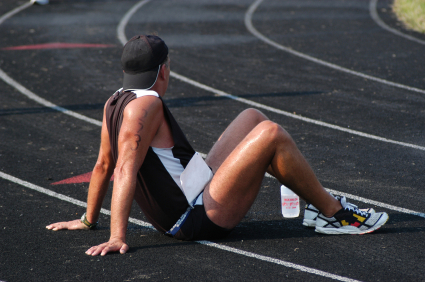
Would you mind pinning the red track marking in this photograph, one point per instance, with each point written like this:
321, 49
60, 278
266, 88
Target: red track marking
58, 45
77, 179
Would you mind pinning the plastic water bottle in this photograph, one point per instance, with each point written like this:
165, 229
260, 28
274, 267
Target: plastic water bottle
290, 202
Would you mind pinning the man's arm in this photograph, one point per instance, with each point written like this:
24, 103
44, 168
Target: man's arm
98, 187
141, 121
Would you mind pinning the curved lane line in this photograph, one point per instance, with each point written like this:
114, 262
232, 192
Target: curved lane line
15, 11
281, 112
44, 102
256, 33
121, 35
30, 94
374, 15
123, 22
123, 40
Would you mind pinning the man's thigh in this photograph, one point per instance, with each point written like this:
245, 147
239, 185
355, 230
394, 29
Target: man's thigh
238, 129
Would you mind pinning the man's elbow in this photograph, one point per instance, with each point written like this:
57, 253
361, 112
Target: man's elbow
104, 168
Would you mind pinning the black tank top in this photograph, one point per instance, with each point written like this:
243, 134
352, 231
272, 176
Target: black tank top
163, 202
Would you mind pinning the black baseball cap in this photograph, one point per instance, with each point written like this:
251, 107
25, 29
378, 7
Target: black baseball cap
141, 61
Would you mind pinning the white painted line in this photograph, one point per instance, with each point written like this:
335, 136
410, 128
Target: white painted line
374, 15
123, 22
277, 111
277, 261
44, 102
15, 11
211, 244
27, 92
369, 201
206, 243
376, 203
256, 33
63, 197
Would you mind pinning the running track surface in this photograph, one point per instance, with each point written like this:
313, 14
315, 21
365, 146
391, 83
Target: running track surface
348, 89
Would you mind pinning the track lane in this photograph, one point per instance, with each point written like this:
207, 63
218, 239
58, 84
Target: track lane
259, 246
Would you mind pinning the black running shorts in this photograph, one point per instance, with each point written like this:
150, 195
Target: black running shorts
199, 227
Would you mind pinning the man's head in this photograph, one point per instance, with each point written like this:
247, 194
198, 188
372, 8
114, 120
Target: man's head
141, 61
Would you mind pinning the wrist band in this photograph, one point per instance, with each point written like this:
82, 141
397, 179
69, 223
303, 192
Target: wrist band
87, 223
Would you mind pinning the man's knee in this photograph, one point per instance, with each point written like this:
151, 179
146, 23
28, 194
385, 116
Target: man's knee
273, 132
255, 115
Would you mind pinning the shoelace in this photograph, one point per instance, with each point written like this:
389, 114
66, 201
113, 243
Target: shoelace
352, 207
342, 198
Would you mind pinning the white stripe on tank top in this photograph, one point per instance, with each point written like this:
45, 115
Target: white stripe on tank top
171, 164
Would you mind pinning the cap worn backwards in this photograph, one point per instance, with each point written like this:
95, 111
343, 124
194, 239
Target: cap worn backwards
141, 59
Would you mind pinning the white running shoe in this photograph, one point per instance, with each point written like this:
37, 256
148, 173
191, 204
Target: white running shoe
311, 213
350, 220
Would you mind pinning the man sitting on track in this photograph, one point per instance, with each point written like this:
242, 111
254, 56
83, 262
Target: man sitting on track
145, 149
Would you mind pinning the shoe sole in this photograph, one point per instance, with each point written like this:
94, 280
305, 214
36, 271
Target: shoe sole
346, 230
309, 222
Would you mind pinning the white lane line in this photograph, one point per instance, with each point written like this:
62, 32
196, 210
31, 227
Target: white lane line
206, 243
211, 244
44, 102
27, 92
276, 261
376, 203
64, 197
369, 201
123, 40
374, 15
288, 114
122, 24
15, 11
256, 33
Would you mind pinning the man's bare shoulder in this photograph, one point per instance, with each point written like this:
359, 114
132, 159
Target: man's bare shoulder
143, 107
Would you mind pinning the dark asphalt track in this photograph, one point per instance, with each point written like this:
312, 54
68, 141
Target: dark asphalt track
209, 43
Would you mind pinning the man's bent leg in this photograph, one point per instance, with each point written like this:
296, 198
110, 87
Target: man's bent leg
238, 129
236, 183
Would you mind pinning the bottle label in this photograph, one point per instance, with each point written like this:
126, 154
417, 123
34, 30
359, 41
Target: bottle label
290, 203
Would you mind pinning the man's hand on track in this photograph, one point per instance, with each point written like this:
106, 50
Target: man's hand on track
114, 245
68, 225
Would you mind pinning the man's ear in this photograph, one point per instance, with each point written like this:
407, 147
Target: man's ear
162, 71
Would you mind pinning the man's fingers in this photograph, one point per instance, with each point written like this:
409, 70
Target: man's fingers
105, 248
93, 251
124, 249
70, 225
55, 226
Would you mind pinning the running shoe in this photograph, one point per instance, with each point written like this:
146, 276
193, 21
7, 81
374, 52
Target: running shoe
311, 213
350, 220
